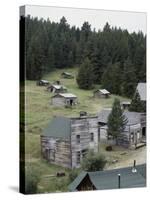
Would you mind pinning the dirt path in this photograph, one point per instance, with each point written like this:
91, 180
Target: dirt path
127, 160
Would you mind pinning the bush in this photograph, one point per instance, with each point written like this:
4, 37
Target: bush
73, 174
32, 177
108, 148
93, 162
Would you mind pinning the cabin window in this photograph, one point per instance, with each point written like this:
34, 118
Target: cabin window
78, 157
92, 137
78, 139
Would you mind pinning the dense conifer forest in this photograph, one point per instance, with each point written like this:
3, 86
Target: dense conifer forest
116, 58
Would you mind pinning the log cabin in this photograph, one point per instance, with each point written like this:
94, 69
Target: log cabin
134, 133
67, 75
66, 141
64, 99
56, 88
42, 83
101, 93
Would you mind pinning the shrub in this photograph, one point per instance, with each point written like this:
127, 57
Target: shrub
73, 174
32, 177
93, 162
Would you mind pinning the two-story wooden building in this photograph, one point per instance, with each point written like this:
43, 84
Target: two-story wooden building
134, 132
66, 141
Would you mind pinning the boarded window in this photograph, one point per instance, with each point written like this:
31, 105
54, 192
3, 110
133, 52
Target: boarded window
78, 155
78, 139
92, 137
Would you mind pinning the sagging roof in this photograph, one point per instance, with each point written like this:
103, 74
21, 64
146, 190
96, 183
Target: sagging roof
103, 91
108, 179
133, 117
66, 95
59, 127
141, 88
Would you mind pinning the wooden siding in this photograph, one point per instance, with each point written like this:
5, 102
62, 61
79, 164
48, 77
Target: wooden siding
61, 149
83, 127
58, 101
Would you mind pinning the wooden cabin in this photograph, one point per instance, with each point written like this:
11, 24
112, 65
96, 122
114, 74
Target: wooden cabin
56, 88
133, 134
42, 83
127, 177
125, 105
66, 141
64, 99
67, 75
101, 93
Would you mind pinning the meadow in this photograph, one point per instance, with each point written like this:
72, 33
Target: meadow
38, 113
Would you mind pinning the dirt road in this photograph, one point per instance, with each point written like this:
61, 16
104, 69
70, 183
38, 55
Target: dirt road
128, 158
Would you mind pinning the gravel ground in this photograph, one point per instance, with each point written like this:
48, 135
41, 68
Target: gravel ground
127, 160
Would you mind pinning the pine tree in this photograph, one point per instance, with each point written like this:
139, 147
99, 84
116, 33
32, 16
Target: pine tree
129, 80
85, 75
136, 104
116, 120
112, 78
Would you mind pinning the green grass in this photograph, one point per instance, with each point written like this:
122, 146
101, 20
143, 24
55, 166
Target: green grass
39, 112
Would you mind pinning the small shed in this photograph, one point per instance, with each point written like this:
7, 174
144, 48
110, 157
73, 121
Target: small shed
64, 99
125, 105
67, 75
128, 177
42, 83
56, 88
101, 93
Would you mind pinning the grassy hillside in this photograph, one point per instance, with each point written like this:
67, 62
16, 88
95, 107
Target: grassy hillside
39, 112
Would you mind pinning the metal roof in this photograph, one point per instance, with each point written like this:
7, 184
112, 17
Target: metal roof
59, 127
66, 95
44, 81
67, 73
59, 86
108, 179
141, 88
125, 103
104, 91
133, 117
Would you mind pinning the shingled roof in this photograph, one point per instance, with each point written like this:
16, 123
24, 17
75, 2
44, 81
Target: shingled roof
108, 179
59, 127
141, 88
133, 117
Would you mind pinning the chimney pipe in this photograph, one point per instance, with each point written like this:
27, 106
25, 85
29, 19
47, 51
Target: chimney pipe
118, 180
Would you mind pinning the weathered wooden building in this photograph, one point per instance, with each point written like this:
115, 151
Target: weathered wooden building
125, 105
66, 141
42, 83
128, 177
64, 99
67, 75
56, 88
134, 132
101, 93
